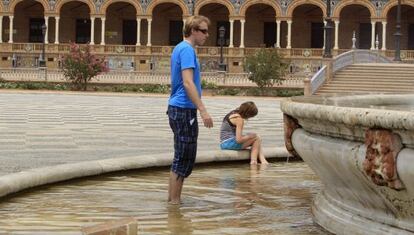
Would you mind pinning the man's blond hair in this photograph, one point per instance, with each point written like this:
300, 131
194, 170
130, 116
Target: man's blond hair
193, 22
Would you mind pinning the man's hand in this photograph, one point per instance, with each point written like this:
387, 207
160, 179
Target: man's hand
207, 120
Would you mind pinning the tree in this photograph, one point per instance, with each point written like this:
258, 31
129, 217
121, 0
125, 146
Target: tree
266, 68
80, 66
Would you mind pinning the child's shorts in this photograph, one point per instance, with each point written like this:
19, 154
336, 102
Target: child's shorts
231, 144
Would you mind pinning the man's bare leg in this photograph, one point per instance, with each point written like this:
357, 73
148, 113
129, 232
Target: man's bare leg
174, 188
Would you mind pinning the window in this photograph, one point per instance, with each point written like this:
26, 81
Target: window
226, 25
83, 30
317, 35
176, 32
129, 32
35, 30
269, 37
411, 37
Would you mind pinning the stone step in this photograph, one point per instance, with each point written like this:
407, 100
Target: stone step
372, 79
377, 71
350, 88
382, 65
373, 83
371, 89
373, 76
324, 92
368, 86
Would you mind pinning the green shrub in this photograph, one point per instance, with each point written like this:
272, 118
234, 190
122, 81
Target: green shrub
80, 66
208, 85
266, 68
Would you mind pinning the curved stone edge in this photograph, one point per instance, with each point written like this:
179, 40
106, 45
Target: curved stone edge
335, 219
16, 182
368, 207
389, 119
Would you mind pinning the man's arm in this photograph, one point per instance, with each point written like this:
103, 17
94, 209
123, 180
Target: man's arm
192, 93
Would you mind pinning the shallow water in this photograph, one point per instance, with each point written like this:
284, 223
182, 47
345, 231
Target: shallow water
217, 199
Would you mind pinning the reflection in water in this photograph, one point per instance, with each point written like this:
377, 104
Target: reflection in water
218, 199
177, 222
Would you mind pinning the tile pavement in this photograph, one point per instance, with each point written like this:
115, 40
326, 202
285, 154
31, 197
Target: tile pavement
47, 128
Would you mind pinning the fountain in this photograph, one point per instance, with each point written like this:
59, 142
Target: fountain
361, 147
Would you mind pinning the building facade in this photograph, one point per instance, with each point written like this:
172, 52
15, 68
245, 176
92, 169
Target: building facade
140, 34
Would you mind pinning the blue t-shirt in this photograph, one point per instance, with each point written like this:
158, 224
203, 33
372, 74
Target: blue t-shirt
183, 57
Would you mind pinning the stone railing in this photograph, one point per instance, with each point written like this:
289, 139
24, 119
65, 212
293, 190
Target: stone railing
134, 77
317, 80
339, 62
358, 56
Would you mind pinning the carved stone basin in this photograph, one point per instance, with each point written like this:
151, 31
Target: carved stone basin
362, 148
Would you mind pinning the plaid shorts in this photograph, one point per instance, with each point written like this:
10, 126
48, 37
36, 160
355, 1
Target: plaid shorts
183, 123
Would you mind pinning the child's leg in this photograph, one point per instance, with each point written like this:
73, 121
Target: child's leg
254, 153
262, 157
260, 151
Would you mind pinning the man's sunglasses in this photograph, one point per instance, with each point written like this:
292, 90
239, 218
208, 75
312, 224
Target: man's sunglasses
204, 31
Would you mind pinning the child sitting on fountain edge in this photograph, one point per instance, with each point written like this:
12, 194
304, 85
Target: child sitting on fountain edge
231, 133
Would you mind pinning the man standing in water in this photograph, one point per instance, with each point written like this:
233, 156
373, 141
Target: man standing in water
184, 102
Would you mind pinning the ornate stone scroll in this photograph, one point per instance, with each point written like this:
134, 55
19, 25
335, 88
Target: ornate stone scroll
290, 125
380, 161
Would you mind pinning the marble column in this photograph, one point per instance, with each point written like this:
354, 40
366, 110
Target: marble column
336, 47
324, 34
1, 29
231, 33
57, 29
289, 36
11, 29
103, 31
47, 30
242, 33
149, 33
278, 33
373, 35
92, 31
138, 32
384, 35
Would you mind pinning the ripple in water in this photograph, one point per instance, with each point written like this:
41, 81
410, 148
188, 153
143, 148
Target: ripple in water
217, 199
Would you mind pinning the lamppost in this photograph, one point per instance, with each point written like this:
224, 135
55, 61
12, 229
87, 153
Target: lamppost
397, 34
328, 31
42, 61
222, 32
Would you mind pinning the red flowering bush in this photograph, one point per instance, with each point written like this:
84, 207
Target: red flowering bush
80, 66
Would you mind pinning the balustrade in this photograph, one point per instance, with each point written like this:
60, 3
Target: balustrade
134, 77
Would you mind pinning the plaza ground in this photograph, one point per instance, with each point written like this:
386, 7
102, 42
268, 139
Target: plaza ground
40, 129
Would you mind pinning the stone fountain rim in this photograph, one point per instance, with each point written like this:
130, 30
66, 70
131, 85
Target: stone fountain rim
16, 182
354, 116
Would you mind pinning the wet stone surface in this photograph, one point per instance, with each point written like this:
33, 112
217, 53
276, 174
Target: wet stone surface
217, 199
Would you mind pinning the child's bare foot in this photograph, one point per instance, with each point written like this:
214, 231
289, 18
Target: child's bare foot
253, 162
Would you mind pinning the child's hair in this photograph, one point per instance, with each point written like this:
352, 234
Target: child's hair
247, 110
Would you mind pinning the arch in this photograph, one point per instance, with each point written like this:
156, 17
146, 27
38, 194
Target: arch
153, 4
226, 3
292, 7
91, 6
365, 3
387, 7
44, 3
248, 4
106, 4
